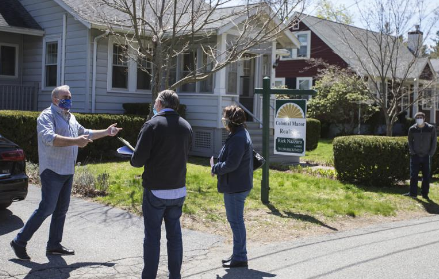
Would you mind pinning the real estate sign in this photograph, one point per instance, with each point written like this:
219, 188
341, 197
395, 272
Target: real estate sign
290, 127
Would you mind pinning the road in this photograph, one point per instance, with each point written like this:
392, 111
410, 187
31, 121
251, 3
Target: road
108, 244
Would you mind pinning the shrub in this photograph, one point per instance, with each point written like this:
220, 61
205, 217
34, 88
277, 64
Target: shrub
142, 109
371, 160
20, 127
312, 133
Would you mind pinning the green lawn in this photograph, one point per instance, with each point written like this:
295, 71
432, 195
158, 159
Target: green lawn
292, 195
323, 154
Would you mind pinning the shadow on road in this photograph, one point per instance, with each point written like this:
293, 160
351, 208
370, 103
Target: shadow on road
430, 206
56, 265
298, 216
9, 222
238, 273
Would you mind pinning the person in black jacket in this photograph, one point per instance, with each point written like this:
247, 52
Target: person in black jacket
162, 149
422, 140
234, 170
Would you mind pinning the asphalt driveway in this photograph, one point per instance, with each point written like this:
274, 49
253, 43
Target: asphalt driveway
108, 244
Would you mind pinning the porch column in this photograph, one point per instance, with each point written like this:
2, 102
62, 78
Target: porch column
415, 96
433, 106
273, 60
220, 76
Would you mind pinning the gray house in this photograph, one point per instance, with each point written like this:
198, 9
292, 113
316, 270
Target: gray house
46, 43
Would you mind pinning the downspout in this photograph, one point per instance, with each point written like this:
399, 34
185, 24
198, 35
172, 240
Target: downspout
63, 55
95, 55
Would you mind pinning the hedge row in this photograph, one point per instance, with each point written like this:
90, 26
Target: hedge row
374, 160
313, 128
20, 127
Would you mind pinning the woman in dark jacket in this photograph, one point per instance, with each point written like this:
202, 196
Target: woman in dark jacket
234, 170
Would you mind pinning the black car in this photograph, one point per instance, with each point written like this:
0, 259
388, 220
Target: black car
13, 178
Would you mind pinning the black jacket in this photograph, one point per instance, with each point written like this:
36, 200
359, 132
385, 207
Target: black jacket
422, 141
235, 163
162, 148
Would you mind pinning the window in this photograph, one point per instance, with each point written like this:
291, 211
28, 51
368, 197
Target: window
304, 83
427, 98
207, 84
304, 51
232, 72
279, 83
8, 60
51, 64
120, 67
295, 24
188, 66
144, 70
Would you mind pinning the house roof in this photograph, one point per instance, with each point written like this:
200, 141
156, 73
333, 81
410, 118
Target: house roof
367, 48
94, 15
15, 19
435, 64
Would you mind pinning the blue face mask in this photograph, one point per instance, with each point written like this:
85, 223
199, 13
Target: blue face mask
65, 103
154, 111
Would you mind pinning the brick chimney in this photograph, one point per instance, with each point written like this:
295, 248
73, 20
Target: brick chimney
415, 39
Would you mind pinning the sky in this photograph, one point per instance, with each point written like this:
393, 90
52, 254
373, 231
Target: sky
352, 7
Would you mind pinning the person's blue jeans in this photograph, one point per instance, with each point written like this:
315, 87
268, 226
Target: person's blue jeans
419, 164
234, 203
55, 201
154, 211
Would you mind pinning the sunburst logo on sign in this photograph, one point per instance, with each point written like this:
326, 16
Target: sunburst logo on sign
290, 110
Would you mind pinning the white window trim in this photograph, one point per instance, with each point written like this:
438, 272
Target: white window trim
132, 72
408, 102
15, 76
58, 62
295, 25
294, 51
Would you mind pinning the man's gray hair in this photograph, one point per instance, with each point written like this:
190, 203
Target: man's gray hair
62, 88
169, 99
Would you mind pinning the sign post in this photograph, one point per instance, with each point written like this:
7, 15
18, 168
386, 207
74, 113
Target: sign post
266, 91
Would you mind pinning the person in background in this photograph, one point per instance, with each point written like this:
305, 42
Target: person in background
422, 140
234, 171
162, 149
59, 136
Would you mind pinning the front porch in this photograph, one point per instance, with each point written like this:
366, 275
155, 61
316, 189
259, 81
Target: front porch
19, 97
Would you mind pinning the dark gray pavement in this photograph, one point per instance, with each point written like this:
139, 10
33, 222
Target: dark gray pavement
108, 244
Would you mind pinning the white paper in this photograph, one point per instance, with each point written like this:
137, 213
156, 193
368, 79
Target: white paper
124, 150
211, 161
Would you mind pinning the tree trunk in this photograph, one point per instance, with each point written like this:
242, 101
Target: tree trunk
156, 74
389, 126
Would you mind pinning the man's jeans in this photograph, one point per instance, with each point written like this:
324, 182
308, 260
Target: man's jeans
154, 211
234, 203
55, 200
419, 164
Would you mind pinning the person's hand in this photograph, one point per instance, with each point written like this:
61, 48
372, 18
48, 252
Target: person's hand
211, 165
83, 140
112, 130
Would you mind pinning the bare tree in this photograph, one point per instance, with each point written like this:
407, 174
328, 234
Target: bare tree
383, 58
155, 32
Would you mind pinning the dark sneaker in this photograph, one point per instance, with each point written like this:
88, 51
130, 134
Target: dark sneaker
409, 195
233, 264
20, 251
426, 197
60, 251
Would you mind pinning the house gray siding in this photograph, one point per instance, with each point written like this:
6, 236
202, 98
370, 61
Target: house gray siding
49, 16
